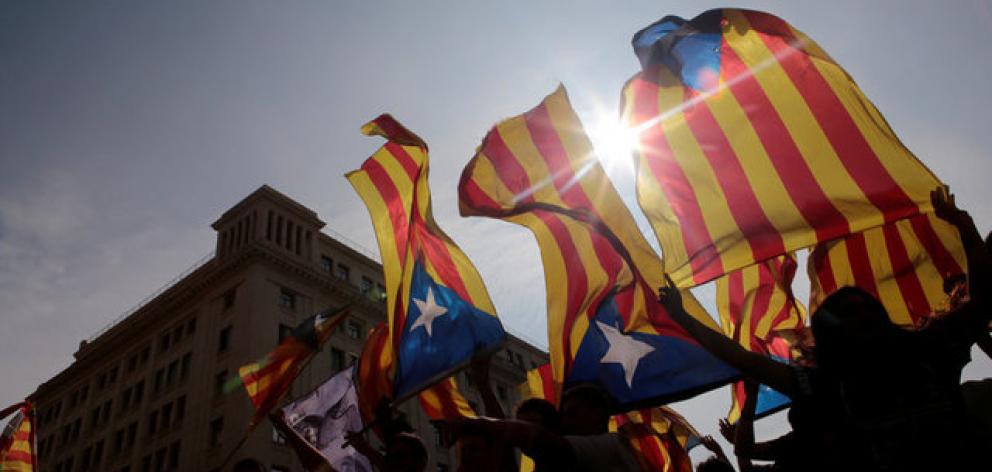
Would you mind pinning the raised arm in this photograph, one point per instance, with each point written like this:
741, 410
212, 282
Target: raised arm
479, 371
979, 261
756, 366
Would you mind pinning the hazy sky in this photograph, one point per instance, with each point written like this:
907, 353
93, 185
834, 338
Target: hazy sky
126, 129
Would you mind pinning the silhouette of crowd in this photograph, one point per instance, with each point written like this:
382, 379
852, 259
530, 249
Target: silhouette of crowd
869, 395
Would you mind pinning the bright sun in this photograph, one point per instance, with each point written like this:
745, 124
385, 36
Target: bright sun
613, 142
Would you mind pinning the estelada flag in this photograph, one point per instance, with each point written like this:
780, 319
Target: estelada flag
17, 444
605, 324
268, 380
438, 309
756, 304
753, 143
374, 383
908, 265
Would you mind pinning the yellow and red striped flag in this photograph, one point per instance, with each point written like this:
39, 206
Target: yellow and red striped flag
444, 400
753, 143
755, 304
268, 380
438, 309
17, 444
538, 170
903, 264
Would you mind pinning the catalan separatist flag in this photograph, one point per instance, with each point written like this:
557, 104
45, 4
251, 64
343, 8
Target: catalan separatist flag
17, 444
268, 380
903, 264
374, 376
753, 143
756, 305
605, 324
439, 311
444, 400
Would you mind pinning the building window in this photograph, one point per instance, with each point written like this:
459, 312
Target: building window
380, 293
366, 286
216, 430
326, 264
145, 354
159, 380
343, 272
191, 326
219, 380
187, 364
171, 374
174, 456
152, 423
224, 339
229, 297
353, 329
181, 408
163, 343
337, 360
132, 363
287, 299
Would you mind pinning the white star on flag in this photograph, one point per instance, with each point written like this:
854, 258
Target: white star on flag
624, 350
429, 310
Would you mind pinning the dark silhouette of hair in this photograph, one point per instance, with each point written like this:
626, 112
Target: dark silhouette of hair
545, 410
714, 464
248, 465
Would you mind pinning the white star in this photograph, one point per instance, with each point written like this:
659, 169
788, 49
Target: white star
429, 310
624, 350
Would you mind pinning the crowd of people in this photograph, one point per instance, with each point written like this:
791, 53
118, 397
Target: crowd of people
869, 395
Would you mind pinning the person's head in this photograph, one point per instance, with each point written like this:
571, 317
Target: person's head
585, 410
849, 325
405, 452
539, 411
475, 453
714, 464
247, 465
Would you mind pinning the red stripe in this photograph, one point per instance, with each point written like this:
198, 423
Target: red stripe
548, 383
703, 256
823, 270
471, 196
940, 256
905, 274
800, 183
858, 257
18, 456
545, 137
505, 164
438, 253
760, 306
850, 145
577, 284
763, 238
394, 204
404, 159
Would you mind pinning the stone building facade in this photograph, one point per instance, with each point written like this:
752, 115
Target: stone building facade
147, 394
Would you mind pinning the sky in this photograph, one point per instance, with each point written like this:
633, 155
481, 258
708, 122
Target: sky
126, 128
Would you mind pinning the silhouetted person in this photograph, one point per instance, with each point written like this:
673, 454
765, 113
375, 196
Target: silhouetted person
880, 397
248, 465
585, 443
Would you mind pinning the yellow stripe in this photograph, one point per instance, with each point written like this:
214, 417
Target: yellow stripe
391, 261
806, 133
930, 279
951, 239
690, 157
888, 288
751, 282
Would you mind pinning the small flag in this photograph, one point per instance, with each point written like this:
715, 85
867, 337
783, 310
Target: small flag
439, 311
266, 381
753, 143
321, 420
17, 444
755, 304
